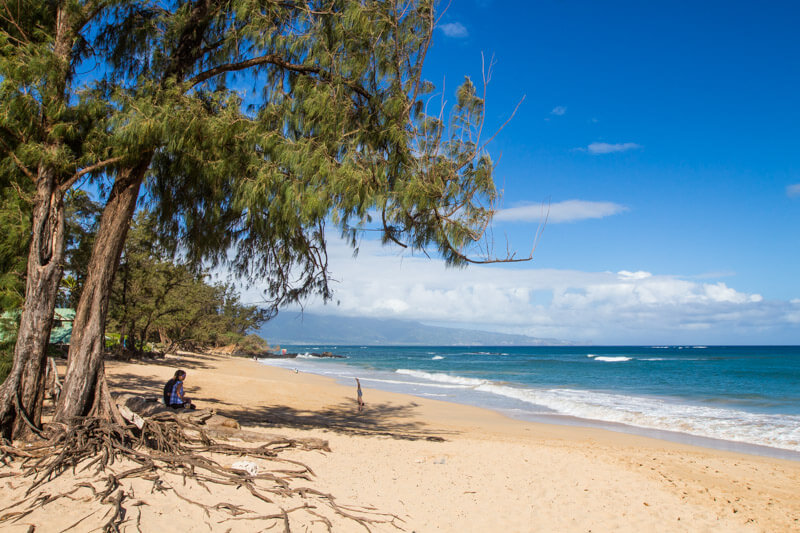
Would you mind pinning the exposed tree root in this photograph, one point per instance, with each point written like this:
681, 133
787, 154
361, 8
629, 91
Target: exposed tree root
169, 450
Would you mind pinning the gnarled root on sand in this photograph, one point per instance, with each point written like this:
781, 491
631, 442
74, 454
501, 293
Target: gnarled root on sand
95, 462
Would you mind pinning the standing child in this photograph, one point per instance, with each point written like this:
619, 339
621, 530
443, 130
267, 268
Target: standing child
360, 398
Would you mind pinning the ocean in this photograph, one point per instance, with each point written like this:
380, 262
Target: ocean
739, 398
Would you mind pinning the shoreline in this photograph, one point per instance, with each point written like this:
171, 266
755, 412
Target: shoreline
559, 420
442, 466
455, 416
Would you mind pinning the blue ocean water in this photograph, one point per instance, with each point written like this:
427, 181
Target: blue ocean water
738, 394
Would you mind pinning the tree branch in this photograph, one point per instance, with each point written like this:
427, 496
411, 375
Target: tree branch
14, 23
78, 175
19, 163
273, 59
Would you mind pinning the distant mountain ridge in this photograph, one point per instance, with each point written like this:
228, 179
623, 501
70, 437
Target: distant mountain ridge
308, 328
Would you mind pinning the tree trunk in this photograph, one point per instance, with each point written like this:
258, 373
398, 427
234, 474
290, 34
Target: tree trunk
22, 394
162, 336
84, 389
24, 387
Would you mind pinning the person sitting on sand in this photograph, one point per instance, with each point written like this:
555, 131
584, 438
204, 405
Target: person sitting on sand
173, 392
360, 398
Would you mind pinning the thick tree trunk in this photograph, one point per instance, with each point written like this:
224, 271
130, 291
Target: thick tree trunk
24, 387
22, 393
84, 390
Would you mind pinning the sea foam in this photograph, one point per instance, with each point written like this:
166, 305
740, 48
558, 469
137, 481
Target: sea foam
619, 402
443, 378
414, 383
779, 431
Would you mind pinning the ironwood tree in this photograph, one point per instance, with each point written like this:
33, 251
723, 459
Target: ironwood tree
255, 123
332, 125
51, 135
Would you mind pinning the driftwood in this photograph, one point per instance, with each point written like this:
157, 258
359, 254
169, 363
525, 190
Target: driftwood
51, 378
159, 441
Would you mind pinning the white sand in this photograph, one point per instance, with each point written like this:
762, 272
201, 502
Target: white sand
490, 473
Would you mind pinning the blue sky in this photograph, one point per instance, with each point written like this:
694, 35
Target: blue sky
706, 99
666, 138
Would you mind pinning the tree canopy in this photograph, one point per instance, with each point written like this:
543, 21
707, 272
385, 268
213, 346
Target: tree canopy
254, 125
156, 299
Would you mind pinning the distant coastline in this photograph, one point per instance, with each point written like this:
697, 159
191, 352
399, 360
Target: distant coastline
308, 328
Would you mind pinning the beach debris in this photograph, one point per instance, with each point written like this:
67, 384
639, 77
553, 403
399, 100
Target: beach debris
131, 417
248, 466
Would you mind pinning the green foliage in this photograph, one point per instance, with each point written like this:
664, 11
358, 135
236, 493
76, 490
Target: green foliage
14, 242
260, 124
252, 345
15, 217
268, 121
52, 134
49, 126
6, 360
158, 299
112, 340
8, 337
82, 217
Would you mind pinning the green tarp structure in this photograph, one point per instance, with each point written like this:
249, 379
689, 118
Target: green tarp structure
62, 325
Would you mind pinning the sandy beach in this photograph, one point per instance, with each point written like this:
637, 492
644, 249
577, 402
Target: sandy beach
422, 465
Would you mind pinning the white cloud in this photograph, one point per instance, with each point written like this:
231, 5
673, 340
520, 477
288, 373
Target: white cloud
559, 110
455, 30
722, 293
626, 307
793, 191
627, 275
567, 211
606, 148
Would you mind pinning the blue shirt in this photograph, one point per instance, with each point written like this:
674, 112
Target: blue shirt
177, 392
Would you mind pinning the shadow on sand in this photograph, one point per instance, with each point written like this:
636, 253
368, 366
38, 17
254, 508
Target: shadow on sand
197, 361
381, 419
384, 419
152, 388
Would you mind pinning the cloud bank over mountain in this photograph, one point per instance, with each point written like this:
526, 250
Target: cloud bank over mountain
625, 307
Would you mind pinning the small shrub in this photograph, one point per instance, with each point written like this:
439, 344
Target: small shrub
6, 359
112, 340
252, 345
